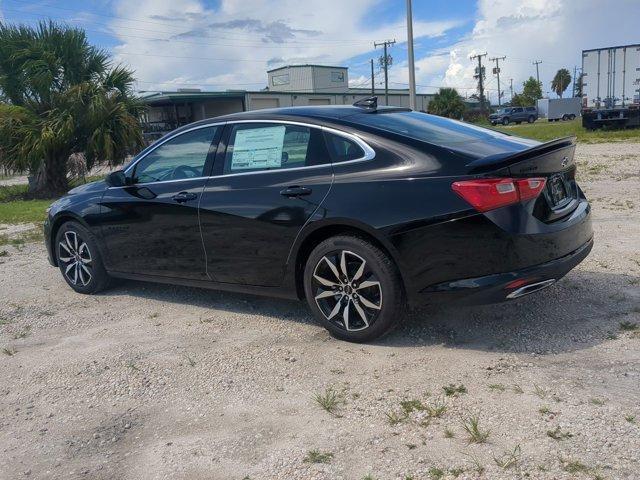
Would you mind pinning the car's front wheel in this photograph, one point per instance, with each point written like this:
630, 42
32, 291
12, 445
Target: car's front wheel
353, 288
505, 121
79, 259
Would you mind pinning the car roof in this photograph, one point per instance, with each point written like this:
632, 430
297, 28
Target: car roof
318, 113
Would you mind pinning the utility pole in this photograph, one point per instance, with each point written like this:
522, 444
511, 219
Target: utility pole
385, 61
480, 76
511, 87
536, 63
373, 81
496, 71
412, 66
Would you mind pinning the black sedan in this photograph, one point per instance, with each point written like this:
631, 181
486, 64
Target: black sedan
361, 210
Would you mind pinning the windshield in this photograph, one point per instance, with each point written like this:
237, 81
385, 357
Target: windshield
503, 111
428, 128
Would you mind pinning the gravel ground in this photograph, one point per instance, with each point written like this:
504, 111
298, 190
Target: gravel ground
151, 382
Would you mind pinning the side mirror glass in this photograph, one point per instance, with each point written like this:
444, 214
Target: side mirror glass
117, 179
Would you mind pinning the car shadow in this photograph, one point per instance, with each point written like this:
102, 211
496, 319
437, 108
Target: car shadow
582, 310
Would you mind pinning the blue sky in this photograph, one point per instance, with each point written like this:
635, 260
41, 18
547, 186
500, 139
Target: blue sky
229, 44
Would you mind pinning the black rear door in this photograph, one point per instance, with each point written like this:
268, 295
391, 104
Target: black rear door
272, 178
151, 227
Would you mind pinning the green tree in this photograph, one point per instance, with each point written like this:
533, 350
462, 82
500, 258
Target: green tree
447, 103
62, 96
561, 81
532, 90
579, 82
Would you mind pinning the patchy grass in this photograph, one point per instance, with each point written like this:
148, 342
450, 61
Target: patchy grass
597, 401
409, 406
452, 390
436, 473
517, 389
545, 410
545, 131
448, 433
20, 239
630, 418
18, 206
24, 333
328, 401
575, 466
316, 456
474, 432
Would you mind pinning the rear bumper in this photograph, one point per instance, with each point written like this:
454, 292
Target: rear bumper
504, 286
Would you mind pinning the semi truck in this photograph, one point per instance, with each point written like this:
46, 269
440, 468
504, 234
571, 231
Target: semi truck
611, 87
554, 109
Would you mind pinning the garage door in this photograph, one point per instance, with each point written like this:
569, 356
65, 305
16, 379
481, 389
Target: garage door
260, 103
319, 101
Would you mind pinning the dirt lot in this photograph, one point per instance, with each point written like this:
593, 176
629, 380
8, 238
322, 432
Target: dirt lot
151, 382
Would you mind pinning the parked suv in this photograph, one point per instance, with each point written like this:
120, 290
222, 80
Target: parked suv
514, 114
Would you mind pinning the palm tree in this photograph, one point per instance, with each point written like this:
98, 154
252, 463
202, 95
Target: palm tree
62, 96
561, 81
447, 103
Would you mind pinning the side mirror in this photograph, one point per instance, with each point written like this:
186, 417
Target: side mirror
117, 179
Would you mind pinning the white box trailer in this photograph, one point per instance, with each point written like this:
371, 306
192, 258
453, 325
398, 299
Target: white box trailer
554, 109
611, 86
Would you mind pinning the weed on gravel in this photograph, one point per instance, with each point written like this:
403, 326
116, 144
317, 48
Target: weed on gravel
395, 418
597, 402
629, 326
558, 434
329, 400
517, 389
452, 390
190, 360
574, 466
539, 391
316, 456
630, 418
24, 333
409, 406
448, 433
10, 351
509, 458
497, 387
475, 433
436, 407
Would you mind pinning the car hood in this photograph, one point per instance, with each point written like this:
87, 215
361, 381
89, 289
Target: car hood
97, 186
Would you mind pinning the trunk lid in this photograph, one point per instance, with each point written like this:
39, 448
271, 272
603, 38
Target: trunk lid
553, 161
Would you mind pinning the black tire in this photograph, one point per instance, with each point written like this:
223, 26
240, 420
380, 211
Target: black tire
363, 322
494, 123
531, 119
572, 117
505, 121
79, 259
565, 117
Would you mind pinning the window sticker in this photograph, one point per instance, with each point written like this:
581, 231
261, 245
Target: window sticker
258, 148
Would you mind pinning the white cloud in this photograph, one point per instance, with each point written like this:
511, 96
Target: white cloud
554, 31
233, 46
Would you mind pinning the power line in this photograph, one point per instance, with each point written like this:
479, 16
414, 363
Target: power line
480, 76
385, 62
496, 71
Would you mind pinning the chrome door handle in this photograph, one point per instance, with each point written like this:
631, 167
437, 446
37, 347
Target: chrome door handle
295, 191
184, 197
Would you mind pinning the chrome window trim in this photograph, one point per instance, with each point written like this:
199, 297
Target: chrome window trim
369, 153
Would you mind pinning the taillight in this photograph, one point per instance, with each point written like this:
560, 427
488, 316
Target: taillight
490, 193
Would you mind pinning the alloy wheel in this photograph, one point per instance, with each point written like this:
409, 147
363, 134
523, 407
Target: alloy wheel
75, 256
346, 290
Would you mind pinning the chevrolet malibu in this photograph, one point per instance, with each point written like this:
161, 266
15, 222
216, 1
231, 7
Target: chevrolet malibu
362, 210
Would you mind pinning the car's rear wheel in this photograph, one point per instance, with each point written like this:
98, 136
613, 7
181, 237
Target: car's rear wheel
79, 259
565, 117
572, 117
505, 121
353, 288
531, 119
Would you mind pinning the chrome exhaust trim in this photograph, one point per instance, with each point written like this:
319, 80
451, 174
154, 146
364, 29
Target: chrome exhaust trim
531, 288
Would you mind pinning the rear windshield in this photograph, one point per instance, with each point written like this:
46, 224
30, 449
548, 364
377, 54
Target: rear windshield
428, 128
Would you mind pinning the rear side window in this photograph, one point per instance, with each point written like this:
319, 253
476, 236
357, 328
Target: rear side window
342, 149
271, 146
425, 127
